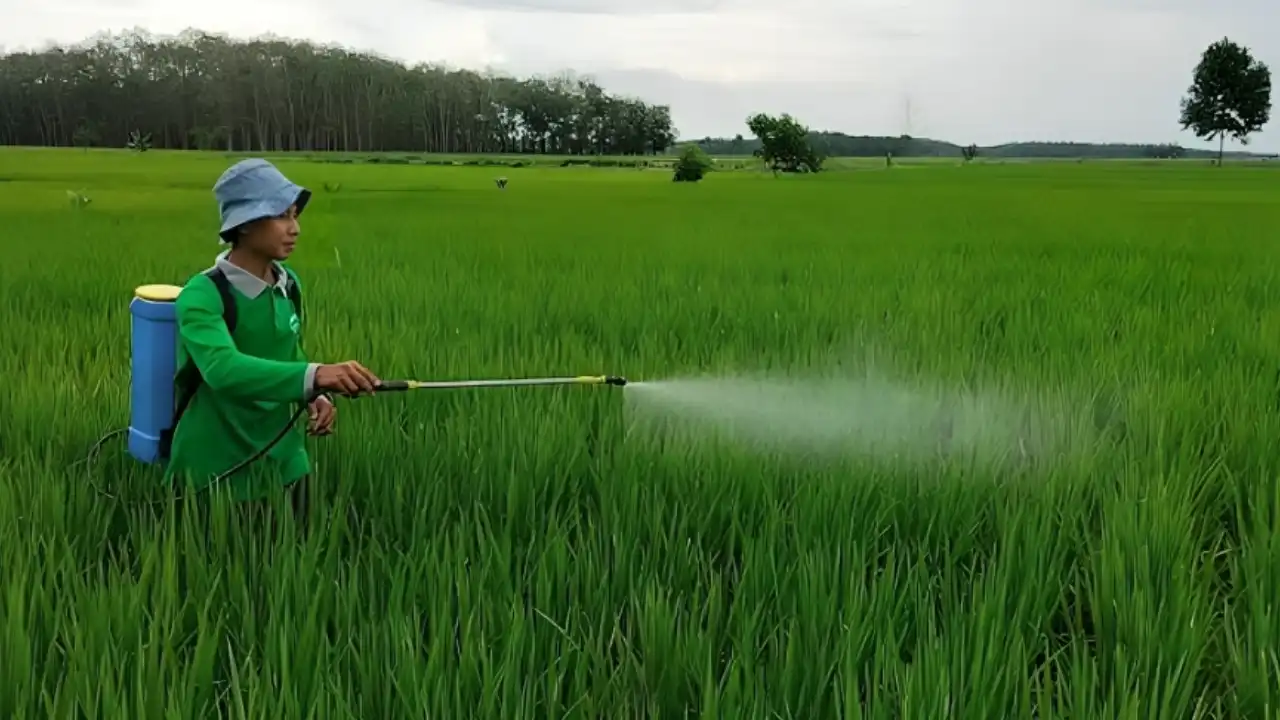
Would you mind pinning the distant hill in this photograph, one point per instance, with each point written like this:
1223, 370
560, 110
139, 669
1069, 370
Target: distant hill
837, 144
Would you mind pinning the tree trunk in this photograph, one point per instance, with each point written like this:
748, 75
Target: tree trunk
1222, 139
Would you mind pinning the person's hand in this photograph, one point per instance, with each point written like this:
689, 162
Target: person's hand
321, 414
349, 378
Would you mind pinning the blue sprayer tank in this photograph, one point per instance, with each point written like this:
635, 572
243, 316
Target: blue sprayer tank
154, 359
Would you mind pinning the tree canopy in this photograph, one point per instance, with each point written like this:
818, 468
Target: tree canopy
204, 91
784, 143
1230, 95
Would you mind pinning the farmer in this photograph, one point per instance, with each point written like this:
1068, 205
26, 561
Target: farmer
253, 379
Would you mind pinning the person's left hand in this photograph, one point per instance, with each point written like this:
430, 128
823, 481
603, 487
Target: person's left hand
321, 414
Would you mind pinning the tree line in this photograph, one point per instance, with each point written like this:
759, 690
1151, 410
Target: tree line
837, 144
200, 91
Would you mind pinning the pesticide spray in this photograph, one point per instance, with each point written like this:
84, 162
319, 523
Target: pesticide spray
842, 418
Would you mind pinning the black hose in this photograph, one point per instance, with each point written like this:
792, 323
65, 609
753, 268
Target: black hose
265, 449
96, 448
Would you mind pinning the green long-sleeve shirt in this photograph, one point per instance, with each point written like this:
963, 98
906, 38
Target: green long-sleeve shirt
253, 383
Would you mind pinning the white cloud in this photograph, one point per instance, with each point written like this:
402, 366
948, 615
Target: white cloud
969, 70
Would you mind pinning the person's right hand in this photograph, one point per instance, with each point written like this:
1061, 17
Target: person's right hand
348, 378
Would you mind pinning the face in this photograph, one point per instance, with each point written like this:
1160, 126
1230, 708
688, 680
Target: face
272, 237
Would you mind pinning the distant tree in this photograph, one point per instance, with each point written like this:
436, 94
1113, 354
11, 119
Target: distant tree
1230, 94
969, 153
784, 144
693, 164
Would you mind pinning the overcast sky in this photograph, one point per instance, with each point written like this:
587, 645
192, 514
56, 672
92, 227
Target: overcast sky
984, 71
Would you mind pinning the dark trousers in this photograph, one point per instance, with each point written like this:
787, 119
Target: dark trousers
259, 512
263, 512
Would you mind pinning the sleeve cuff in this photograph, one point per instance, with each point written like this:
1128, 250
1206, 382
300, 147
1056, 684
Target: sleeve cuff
309, 382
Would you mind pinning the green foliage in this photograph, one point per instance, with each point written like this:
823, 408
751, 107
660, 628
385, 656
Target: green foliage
1230, 95
969, 153
784, 144
540, 554
692, 165
139, 142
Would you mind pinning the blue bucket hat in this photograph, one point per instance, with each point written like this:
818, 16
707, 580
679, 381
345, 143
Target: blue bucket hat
252, 190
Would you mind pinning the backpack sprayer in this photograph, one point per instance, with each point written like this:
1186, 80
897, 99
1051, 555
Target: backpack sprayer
159, 390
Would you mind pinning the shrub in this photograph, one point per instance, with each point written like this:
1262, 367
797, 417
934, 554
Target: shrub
693, 164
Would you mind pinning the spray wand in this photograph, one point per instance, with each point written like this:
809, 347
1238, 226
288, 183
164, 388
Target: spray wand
401, 385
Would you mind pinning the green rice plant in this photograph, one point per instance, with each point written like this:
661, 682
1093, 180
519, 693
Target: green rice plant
543, 553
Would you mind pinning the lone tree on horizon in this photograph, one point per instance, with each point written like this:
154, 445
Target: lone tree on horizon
1230, 94
784, 144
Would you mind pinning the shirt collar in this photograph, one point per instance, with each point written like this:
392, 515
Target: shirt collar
248, 284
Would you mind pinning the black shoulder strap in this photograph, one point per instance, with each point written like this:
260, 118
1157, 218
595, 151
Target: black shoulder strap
221, 282
295, 293
188, 378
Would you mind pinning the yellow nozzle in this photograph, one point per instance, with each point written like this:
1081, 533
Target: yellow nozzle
589, 379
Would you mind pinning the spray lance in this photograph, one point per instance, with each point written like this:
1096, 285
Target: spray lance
400, 385
153, 367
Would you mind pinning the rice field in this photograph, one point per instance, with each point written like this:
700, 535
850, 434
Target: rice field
537, 553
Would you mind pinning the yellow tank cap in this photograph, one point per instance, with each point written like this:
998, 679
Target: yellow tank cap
157, 293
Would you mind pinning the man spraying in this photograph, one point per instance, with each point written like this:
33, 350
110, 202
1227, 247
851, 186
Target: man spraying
251, 374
